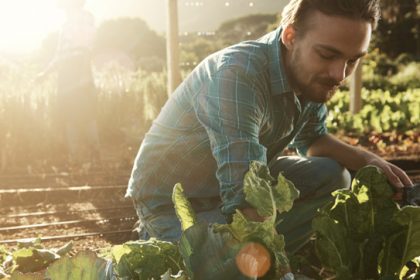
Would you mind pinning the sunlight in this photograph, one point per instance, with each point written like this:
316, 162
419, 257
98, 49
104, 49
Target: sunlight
25, 23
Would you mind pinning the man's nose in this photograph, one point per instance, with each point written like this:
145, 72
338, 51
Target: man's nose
338, 71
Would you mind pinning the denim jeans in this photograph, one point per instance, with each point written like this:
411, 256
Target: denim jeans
315, 177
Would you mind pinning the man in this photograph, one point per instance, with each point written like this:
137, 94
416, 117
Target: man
248, 102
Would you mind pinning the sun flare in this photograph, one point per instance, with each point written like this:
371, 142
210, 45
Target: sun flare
25, 23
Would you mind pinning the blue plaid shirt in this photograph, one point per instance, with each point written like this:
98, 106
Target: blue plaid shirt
236, 106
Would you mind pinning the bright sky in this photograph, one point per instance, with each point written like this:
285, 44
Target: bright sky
25, 23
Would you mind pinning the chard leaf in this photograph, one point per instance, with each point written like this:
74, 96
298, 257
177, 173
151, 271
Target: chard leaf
183, 208
392, 254
332, 245
245, 230
265, 194
209, 254
32, 259
85, 265
66, 248
365, 217
209, 251
346, 209
409, 216
168, 276
372, 203
30, 243
269, 197
145, 259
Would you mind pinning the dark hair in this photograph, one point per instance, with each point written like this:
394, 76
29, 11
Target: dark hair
296, 11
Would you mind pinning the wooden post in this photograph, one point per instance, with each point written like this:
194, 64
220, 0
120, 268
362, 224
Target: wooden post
172, 46
356, 90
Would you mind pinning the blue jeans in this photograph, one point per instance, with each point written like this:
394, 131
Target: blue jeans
315, 177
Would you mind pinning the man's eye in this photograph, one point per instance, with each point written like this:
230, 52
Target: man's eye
326, 57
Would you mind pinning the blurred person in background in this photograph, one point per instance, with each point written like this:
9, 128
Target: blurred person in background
76, 93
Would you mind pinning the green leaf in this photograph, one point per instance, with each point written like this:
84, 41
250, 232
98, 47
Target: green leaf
392, 254
209, 254
66, 248
245, 230
265, 194
30, 243
145, 259
410, 216
85, 265
374, 195
183, 208
32, 259
209, 251
179, 276
353, 233
332, 245
372, 178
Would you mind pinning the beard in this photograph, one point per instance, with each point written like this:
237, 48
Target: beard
316, 88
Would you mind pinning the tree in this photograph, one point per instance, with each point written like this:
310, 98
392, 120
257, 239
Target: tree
245, 28
398, 30
132, 37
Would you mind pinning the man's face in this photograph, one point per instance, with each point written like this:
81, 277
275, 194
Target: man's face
327, 53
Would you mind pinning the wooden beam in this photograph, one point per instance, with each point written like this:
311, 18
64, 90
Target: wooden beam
172, 46
356, 90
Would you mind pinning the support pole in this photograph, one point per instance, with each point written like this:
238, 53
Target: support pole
356, 90
172, 46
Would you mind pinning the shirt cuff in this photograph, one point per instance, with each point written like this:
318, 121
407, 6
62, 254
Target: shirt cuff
228, 209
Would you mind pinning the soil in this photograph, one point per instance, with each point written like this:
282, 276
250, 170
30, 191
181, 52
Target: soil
70, 210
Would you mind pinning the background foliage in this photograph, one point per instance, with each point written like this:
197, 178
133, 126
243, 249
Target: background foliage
131, 81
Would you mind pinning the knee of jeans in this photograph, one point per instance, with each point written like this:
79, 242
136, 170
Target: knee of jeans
334, 175
337, 176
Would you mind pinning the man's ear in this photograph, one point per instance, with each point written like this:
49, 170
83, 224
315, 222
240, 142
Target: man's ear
288, 36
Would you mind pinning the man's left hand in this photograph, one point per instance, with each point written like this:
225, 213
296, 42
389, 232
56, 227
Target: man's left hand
396, 176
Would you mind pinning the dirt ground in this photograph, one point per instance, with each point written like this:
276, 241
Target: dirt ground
86, 204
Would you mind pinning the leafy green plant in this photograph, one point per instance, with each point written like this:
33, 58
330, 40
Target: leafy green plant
85, 265
211, 251
145, 259
381, 112
364, 234
30, 257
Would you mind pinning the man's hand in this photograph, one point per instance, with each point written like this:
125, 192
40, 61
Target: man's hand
354, 158
252, 215
396, 176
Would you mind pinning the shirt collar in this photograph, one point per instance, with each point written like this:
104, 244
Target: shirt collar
279, 83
